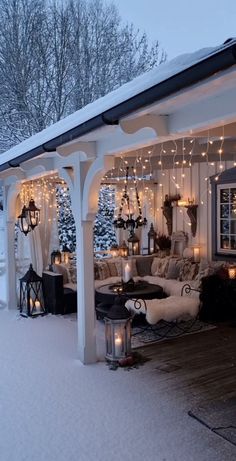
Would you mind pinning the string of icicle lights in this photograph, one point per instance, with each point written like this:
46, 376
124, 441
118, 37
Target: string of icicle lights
43, 191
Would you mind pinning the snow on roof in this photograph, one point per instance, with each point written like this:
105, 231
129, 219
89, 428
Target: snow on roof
128, 90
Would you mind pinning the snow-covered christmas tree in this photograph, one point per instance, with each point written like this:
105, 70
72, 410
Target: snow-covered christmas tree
104, 233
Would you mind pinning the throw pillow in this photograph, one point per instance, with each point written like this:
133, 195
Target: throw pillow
162, 267
73, 274
155, 264
188, 271
103, 270
134, 268
144, 265
112, 268
60, 269
118, 264
174, 267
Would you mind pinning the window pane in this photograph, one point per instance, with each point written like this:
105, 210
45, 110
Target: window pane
233, 211
233, 227
224, 226
224, 242
224, 195
233, 196
232, 242
224, 211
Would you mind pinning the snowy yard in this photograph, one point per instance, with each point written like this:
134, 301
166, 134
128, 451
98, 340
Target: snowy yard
54, 408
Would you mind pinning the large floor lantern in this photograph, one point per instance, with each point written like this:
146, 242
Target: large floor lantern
31, 294
118, 331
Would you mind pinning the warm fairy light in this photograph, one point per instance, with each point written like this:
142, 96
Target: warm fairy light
220, 151
203, 154
216, 178
221, 166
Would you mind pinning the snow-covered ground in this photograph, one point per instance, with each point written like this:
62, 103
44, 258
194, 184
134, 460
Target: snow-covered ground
55, 409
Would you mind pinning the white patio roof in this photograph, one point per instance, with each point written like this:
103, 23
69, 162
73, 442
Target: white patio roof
136, 87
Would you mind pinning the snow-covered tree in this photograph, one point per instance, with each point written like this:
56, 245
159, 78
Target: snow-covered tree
55, 57
65, 219
104, 233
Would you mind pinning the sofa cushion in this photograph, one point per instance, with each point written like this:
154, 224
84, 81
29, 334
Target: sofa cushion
174, 268
188, 270
112, 268
61, 269
144, 265
103, 270
159, 266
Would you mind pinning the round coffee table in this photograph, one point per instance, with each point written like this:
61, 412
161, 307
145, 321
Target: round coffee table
105, 295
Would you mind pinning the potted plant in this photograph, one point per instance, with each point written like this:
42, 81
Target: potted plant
163, 242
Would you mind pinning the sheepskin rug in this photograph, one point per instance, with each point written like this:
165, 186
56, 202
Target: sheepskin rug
169, 309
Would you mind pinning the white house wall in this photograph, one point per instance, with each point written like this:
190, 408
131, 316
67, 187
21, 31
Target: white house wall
193, 186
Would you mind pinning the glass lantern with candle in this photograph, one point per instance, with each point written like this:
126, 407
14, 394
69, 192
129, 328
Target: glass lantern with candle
118, 331
23, 222
232, 272
56, 257
33, 214
133, 244
31, 294
123, 250
152, 235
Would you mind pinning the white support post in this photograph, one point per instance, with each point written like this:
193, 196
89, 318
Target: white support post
85, 266
85, 293
10, 264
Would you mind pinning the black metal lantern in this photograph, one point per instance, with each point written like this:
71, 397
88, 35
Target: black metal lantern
118, 331
31, 294
23, 221
133, 244
33, 214
123, 250
152, 235
56, 257
65, 255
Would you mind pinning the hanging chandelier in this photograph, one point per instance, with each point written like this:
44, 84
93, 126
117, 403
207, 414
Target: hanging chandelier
29, 217
125, 219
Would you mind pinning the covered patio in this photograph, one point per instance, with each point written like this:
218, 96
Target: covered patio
180, 118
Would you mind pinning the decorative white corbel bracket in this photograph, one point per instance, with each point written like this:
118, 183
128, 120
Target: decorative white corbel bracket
159, 123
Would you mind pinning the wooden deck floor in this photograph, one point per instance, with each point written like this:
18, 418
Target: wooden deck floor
203, 365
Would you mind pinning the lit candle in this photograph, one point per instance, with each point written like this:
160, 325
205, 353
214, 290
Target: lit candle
37, 305
127, 272
232, 272
118, 345
196, 254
